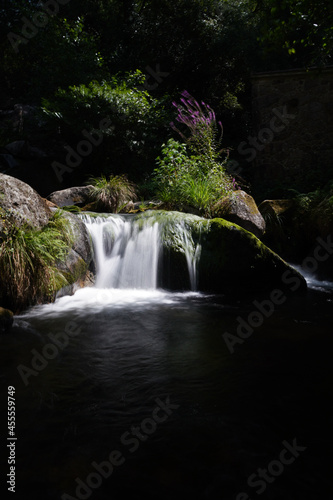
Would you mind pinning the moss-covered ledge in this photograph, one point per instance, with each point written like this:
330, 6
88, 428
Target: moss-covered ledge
233, 259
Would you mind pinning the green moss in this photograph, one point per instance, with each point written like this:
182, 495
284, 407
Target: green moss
74, 273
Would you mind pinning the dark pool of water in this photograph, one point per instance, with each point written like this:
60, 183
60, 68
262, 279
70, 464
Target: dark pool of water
230, 414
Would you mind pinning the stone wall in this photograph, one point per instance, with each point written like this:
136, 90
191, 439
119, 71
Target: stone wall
292, 141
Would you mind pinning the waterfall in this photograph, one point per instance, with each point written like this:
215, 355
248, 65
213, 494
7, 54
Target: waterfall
128, 248
191, 251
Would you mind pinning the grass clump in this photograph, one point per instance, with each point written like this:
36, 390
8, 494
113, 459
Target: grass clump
113, 193
28, 257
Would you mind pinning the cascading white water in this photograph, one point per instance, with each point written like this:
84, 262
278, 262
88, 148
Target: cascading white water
192, 253
128, 249
126, 252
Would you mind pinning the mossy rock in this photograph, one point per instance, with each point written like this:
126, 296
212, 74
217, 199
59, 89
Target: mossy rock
240, 208
77, 264
233, 259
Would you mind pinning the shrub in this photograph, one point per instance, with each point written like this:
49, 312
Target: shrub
193, 172
181, 179
113, 193
28, 272
134, 118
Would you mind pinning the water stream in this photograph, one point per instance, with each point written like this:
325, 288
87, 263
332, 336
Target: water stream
128, 372
128, 250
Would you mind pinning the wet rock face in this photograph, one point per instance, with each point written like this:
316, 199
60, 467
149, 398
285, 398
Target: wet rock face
22, 204
240, 208
80, 255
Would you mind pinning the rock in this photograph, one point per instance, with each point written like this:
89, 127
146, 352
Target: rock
21, 204
76, 266
79, 196
50, 204
234, 260
278, 216
140, 206
19, 149
7, 161
6, 320
275, 207
229, 258
240, 208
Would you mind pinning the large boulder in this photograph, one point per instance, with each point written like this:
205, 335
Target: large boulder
234, 260
271, 208
77, 264
280, 235
79, 195
20, 204
224, 257
294, 226
240, 208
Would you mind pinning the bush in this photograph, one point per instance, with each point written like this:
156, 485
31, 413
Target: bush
189, 180
134, 120
113, 193
193, 172
28, 272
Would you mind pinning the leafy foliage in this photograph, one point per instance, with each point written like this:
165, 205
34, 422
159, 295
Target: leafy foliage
28, 274
182, 179
301, 30
134, 118
190, 172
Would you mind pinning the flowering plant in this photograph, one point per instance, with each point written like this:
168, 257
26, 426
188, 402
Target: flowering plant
192, 173
205, 131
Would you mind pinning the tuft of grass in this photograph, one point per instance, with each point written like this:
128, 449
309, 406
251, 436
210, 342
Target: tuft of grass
113, 193
198, 193
28, 272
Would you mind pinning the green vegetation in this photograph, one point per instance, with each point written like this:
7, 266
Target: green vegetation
118, 115
182, 179
193, 173
111, 194
127, 60
28, 274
